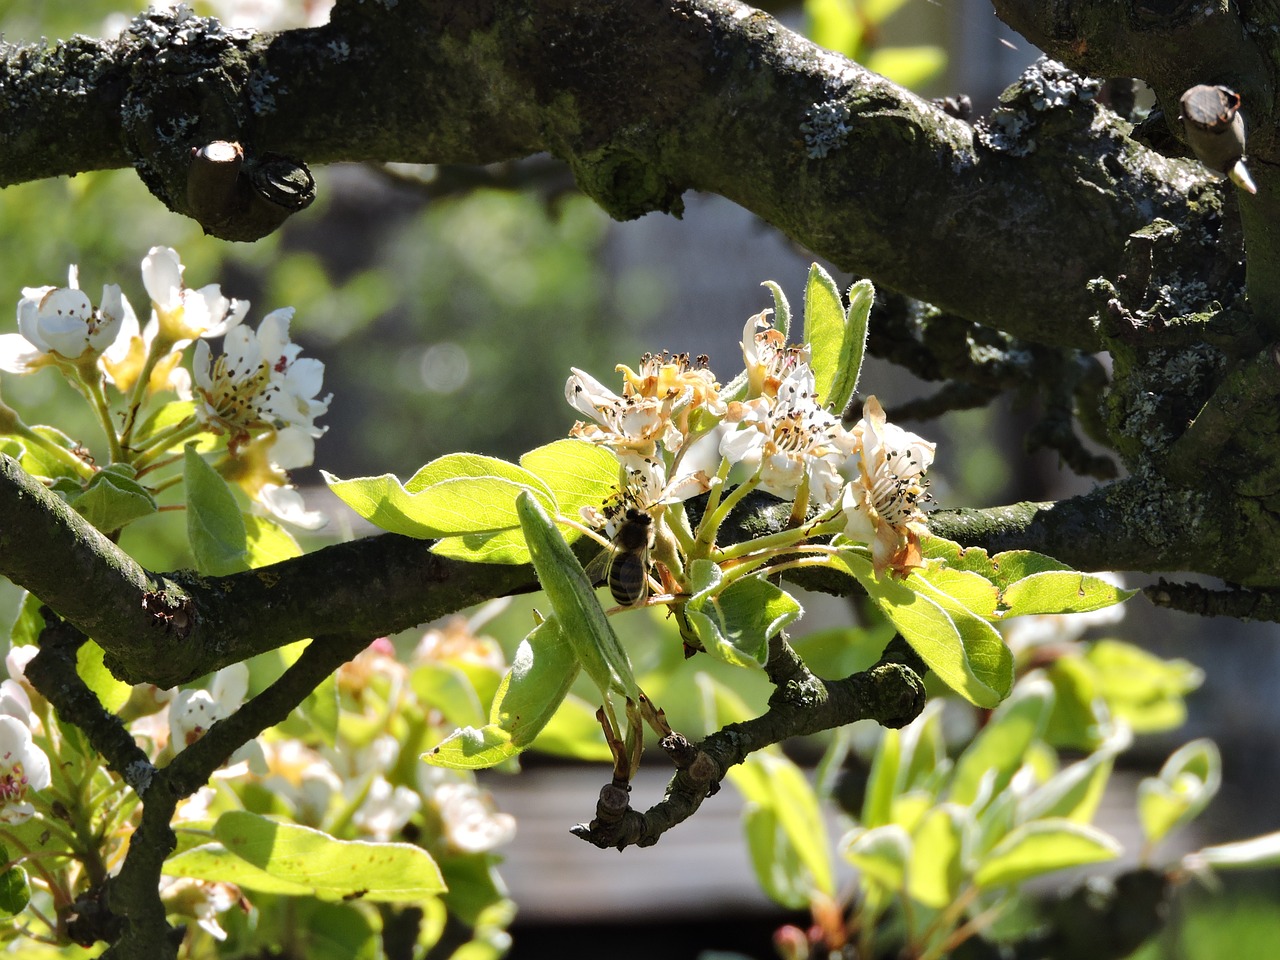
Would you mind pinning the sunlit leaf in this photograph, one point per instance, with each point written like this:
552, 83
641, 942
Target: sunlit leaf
1257, 853
261, 854
1043, 846
1061, 591
881, 854
965, 651
111, 693
1189, 779
934, 872
215, 527
573, 598
542, 671
735, 624
1000, 745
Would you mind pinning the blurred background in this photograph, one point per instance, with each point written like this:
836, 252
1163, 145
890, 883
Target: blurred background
448, 306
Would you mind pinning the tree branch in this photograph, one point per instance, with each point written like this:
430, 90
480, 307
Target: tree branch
891, 693
644, 101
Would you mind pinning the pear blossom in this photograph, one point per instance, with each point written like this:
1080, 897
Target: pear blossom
788, 438
260, 383
767, 357
469, 819
302, 778
184, 314
61, 323
632, 426
882, 504
15, 703
23, 768
126, 358
386, 809
201, 900
193, 712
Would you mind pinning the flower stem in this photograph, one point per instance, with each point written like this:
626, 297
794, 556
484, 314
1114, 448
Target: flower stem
90, 376
164, 441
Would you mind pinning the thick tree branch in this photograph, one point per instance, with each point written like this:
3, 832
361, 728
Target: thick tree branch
644, 101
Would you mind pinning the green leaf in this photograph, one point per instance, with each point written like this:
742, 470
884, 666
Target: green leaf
1140, 688
28, 625
167, 416
267, 542
835, 24
540, 676
577, 474
15, 890
781, 308
1003, 741
1061, 591
1043, 846
908, 66
503, 546
113, 498
445, 687
1074, 792
473, 748
965, 651
454, 495
881, 854
574, 601
934, 872
214, 523
785, 830
1258, 853
261, 854
735, 624
883, 781
1189, 779
824, 331
111, 693
853, 347
971, 590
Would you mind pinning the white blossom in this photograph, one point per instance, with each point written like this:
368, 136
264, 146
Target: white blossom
882, 503
23, 768
261, 382
184, 314
789, 438
61, 322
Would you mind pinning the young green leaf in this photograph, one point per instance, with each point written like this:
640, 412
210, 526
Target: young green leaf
261, 854
824, 330
1060, 591
574, 601
736, 624
1189, 779
576, 473
1257, 853
111, 693
786, 832
214, 524
934, 872
1001, 744
15, 890
965, 651
1043, 846
542, 671
113, 498
881, 854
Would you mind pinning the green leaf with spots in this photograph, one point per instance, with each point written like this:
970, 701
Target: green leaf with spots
260, 854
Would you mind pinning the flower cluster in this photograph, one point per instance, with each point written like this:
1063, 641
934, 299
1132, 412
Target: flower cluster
24, 767
259, 394
359, 779
676, 435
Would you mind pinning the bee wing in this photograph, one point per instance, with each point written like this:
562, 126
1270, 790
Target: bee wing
597, 570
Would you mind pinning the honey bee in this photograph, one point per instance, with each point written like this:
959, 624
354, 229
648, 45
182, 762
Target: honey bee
628, 571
